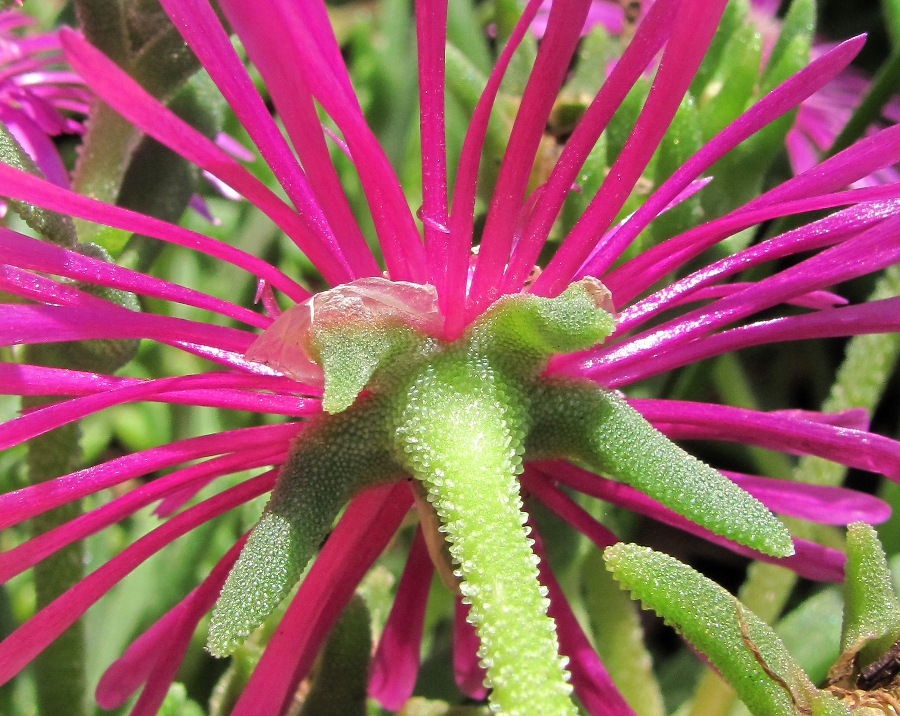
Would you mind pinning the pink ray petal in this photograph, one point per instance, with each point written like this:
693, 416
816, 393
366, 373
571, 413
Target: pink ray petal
198, 24
873, 249
816, 503
431, 36
685, 420
467, 670
463, 211
874, 317
28, 253
52, 324
395, 665
644, 46
590, 679
550, 68
693, 29
305, 28
38, 422
635, 276
362, 532
776, 103
26, 502
155, 646
29, 553
20, 185
27, 641
124, 95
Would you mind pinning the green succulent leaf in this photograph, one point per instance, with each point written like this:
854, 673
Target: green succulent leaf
600, 429
743, 649
871, 610
331, 461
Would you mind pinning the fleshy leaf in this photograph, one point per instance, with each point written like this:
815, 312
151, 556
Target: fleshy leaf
331, 461
871, 609
744, 649
577, 420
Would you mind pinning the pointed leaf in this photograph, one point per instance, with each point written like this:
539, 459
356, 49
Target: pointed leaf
744, 649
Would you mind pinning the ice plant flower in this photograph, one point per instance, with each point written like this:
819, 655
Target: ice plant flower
480, 378
39, 97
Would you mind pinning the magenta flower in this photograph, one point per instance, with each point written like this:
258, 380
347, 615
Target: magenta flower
38, 94
704, 313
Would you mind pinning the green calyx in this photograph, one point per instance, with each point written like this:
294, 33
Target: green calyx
460, 417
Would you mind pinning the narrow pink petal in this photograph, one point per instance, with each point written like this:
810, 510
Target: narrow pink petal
693, 29
23, 379
38, 422
154, 647
32, 287
27, 502
27, 554
816, 503
25, 187
872, 250
200, 28
875, 317
20, 379
567, 509
809, 560
367, 525
305, 28
813, 299
28, 253
463, 212
550, 68
651, 35
51, 324
467, 670
36, 144
395, 665
637, 275
124, 95
683, 420
294, 103
866, 156
776, 103
596, 691
431, 36
30, 639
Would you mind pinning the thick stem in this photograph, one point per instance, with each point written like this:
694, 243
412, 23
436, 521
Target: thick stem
59, 669
458, 434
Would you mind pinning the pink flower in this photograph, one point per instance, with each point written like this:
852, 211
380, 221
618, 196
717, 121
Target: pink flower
706, 312
38, 94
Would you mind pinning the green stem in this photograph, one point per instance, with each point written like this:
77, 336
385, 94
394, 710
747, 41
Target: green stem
59, 669
106, 152
462, 441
